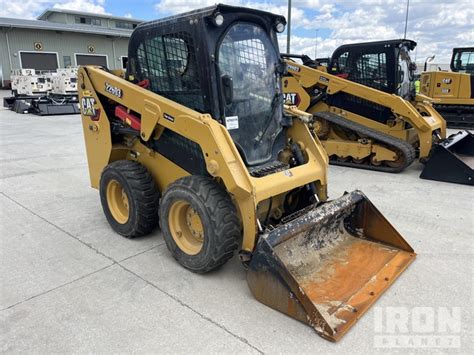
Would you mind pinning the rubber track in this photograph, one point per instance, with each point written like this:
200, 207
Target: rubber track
453, 115
390, 142
223, 214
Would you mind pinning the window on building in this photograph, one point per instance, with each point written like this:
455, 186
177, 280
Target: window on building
88, 21
91, 59
83, 20
123, 24
124, 63
67, 61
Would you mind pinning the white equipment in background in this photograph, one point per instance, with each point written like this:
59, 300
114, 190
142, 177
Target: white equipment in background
49, 93
27, 82
65, 81
48, 80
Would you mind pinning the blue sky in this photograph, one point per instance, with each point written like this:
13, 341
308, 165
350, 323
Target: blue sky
318, 25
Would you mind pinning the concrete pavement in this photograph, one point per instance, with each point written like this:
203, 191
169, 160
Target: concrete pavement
70, 284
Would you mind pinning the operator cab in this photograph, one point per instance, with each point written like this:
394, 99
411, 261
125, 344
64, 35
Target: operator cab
221, 60
384, 65
462, 60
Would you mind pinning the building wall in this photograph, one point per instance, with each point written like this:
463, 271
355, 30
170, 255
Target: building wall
64, 43
5, 66
58, 17
71, 19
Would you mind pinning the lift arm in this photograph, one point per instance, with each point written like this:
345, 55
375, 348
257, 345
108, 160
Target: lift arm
309, 77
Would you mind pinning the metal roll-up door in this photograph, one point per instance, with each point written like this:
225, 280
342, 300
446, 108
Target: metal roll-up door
87, 59
39, 61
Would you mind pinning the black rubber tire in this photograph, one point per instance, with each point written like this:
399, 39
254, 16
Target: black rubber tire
221, 225
142, 194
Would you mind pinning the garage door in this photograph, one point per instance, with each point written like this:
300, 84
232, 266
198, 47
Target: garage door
85, 59
39, 61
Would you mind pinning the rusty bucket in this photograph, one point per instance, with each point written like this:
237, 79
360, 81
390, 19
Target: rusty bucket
328, 266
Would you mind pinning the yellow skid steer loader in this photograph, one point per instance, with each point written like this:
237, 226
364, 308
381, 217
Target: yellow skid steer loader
367, 115
195, 135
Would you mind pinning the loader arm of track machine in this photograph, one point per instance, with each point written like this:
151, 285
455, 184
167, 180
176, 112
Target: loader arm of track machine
420, 115
324, 265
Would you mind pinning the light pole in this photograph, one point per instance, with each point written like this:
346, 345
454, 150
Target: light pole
288, 31
427, 60
406, 20
316, 45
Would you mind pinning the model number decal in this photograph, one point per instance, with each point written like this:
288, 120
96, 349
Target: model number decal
293, 67
113, 90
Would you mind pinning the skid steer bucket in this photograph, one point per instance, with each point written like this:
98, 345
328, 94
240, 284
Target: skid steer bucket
329, 265
452, 160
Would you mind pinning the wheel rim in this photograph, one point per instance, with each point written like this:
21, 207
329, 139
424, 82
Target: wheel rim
186, 227
117, 200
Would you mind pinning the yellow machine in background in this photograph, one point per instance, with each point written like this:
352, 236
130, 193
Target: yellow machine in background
195, 135
366, 119
453, 91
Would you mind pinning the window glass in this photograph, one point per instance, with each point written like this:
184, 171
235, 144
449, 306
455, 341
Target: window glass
371, 70
123, 24
248, 56
124, 62
340, 63
169, 63
67, 61
464, 61
84, 20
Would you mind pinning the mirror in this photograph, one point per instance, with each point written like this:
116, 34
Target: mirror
227, 88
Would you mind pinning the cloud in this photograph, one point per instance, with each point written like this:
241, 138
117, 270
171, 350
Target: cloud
177, 6
436, 25
93, 6
22, 9
30, 9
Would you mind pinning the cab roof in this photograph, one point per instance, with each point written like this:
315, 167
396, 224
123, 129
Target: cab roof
393, 42
206, 12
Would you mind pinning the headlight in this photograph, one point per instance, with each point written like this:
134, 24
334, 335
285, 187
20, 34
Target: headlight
218, 19
279, 27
